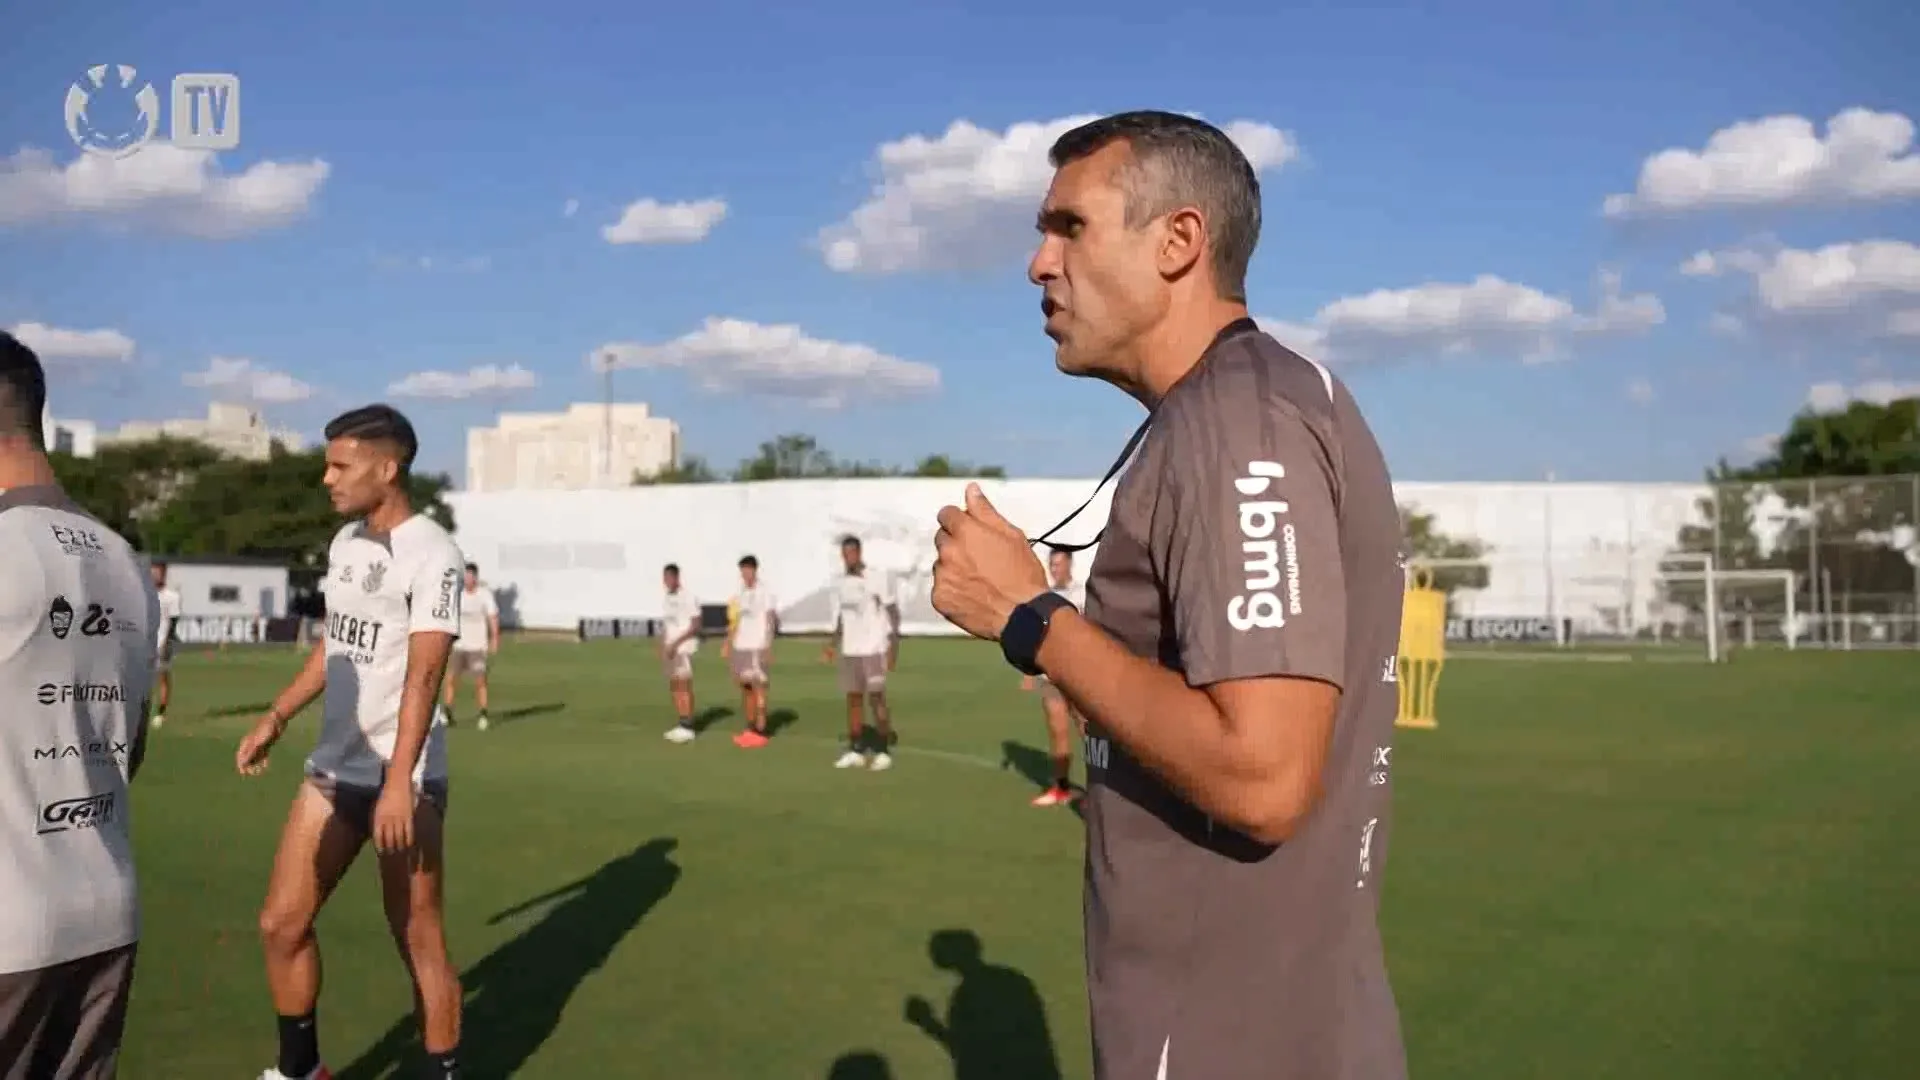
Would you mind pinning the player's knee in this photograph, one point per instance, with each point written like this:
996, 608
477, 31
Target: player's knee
284, 928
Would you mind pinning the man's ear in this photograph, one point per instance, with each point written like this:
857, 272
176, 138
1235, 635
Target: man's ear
1182, 243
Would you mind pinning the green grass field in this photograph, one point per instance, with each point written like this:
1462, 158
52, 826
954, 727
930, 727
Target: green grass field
1600, 870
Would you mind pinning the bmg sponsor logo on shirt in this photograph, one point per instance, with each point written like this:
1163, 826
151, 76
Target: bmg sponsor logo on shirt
86, 812
79, 543
449, 588
1260, 607
81, 693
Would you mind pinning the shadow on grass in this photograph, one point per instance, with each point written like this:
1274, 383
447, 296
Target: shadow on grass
780, 719
860, 1064
527, 712
516, 995
1035, 765
711, 716
995, 1027
253, 709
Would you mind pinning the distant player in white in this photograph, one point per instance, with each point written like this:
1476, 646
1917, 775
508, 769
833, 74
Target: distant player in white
755, 620
163, 642
1060, 719
679, 640
866, 635
379, 770
77, 621
479, 639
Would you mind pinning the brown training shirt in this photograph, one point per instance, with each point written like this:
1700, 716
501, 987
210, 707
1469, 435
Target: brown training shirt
1255, 534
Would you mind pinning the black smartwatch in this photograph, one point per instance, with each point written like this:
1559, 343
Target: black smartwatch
1027, 627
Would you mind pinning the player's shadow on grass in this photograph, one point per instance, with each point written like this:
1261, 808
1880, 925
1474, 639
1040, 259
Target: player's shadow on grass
1034, 764
527, 712
778, 719
711, 716
517, 994
995, 1027
860, 1064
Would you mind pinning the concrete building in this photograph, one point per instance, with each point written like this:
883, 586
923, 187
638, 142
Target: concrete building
588, 446
76, 437
233, 429
227, 585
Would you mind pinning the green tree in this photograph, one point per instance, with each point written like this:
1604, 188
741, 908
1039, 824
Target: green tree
126, 485
788, 457
1425, 542
942, 465
690, 470
1844, 481
275, 509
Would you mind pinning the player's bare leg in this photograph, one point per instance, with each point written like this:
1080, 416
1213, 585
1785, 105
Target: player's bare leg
412, 891
316, 850
883, 731
449, 694
856, 753
480, 692
1059, 751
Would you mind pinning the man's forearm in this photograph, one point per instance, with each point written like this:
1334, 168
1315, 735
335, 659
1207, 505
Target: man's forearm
1172, 729
416, 716
306, 686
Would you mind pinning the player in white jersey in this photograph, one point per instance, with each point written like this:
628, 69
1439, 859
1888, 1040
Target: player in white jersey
866, 635
77, 621
754, 620
379, 770
163, 642
479, 639
1060, 718
679, 640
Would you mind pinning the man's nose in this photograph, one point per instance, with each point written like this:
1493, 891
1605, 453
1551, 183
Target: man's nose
1045, 264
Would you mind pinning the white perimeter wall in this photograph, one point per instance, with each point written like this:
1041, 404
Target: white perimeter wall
1589, 551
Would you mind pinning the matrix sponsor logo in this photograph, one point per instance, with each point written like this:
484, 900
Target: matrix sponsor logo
1260, 519
101, 753
449, 589
78, 542
82, 693
86, 812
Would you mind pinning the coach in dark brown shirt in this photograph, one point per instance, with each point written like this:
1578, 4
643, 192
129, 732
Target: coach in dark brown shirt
1236, 659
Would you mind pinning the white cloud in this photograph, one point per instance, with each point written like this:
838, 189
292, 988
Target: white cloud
1759, 445
54, 343
488, 380
1866, 156
1640, 392
650, 221
736, 356
162, 187
571, 208
1488, 315
967, 197
1834, 396
244, 380
1722, 324
1865, 288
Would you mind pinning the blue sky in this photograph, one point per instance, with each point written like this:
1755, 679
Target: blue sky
1424, 150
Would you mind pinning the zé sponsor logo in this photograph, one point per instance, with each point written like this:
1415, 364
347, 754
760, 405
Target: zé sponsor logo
1259, 520
86, 812
97, 622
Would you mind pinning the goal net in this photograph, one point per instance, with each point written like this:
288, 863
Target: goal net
1601, 605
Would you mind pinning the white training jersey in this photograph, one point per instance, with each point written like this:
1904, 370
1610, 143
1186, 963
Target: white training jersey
477, 609
1075, 592
380, 591
866, 629
682, 613
753, 612
169, 611
77, 617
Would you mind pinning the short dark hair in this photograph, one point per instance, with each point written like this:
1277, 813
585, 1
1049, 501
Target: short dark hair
157, 564
473, 568
850, 540
23, 392
748, 560
377, 423
671, 568
1180, 161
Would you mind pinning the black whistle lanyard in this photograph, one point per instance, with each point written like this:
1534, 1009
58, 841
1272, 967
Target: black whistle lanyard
1232, 330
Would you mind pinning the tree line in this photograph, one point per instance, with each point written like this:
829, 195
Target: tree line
800, 457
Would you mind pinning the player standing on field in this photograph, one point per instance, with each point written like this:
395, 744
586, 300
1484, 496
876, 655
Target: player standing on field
163, 642
679, 640
1059, 714
479, 639
379, 771
749, 649
866, 635
77, 621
